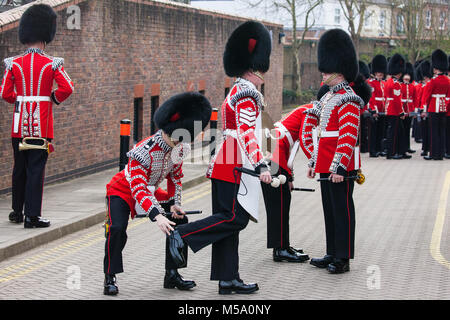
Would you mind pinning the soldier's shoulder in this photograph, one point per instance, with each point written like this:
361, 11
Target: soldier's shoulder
55, 61
8, 62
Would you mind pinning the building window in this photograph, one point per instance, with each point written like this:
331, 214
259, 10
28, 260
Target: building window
337, 16
154, 105
442, 20
400, 23
428, 19
367, 21
382, 20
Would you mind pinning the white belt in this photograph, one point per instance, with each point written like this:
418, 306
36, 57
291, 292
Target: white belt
328, 134
379, 99
438, 95
389, 98
33, 98
286, 132
407, 100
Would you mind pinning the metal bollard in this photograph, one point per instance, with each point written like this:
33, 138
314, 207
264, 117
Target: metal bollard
213, 130
125, 130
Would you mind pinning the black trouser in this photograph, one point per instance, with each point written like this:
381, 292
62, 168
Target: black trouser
364, 140
417, 131
119, 212
380, 133
395, 136
425, 135
437, 134
28, 179
339, 213
407, 132
447, 135
278, 202
372, 135
221, 229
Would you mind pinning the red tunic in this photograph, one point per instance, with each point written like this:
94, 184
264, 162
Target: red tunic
338, 111
296, 126
28, 82
418, 101
240, 111
393, 92
435, 94
408, 97
150, 162
377, 101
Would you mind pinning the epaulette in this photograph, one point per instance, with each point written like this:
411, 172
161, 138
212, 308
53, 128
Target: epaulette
142, 153
57, 62
9, 62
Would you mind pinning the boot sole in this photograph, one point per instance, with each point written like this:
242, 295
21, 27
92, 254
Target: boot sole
230, 291
107, 293
173, 286
289, 260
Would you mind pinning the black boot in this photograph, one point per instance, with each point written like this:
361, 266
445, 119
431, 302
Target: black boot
176, 246
16, 217
322, 262
173, 279
406, 156
411, 151
110, 286
339, 266
280, 254
295, 250
238, 286
36, 222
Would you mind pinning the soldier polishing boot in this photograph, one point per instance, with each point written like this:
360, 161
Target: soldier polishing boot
36, 222
173, 279
110, 286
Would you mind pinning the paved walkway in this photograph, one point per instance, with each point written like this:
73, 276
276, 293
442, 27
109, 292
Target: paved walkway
402, 245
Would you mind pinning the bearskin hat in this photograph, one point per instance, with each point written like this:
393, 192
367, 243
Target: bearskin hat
248, 48
364, 69
425, 69
418, 73
181, 111
362, 89
439, 60
322, 91
379, 64
37, 24
396, 64
410, 71
336, 54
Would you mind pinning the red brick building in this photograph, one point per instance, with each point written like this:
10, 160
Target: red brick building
126, 57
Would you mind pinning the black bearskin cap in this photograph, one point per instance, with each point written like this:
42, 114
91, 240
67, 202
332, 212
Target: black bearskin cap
248, 48
336, 54
425, 69
181, 111
322, 91
396, 64
379, 64
362, 89
37, 24
364, 69
439, 60
410, 71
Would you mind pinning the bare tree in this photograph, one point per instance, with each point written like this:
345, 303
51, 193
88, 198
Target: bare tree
354, 12
301, 16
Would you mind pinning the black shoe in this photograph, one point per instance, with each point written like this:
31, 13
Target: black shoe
322, 262
423, 153
382, 154
295, 250
428, 158
176, 246
411, 151
287, 255
339, 266
374, 155
395, 157
173, 279
110, 286
238, 286
406, 156
447, 156
36, 222
438, 158
16, 217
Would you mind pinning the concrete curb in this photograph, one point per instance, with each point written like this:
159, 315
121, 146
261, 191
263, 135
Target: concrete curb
69, 228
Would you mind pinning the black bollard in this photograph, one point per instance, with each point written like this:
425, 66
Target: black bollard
125, 130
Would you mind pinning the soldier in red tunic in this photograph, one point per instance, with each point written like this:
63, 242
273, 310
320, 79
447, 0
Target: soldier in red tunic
424, 69
396, 148
28, 84
447, 123
136, 189
336, 155
367, 120
235, 198
376, 107
292, 132
408, 100
434, 102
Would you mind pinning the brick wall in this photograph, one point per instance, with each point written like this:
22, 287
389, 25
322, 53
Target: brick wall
127, 49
